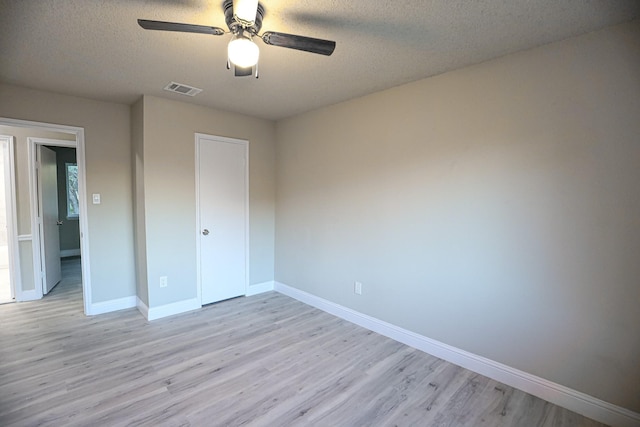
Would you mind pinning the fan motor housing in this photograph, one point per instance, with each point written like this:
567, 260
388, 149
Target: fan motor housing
235, 26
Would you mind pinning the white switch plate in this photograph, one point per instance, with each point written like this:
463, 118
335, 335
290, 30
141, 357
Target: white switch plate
96, 199
357, 288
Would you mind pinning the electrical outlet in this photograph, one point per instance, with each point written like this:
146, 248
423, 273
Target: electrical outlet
357, 288
163, 281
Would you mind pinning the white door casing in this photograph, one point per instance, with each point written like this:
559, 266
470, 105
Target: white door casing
48, 217
8, 160
222, 217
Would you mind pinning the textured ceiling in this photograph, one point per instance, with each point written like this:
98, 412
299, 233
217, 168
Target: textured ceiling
95, 49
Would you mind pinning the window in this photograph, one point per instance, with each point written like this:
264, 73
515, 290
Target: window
73, 207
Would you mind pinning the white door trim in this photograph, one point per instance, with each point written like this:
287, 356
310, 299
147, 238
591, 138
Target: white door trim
245, 143
82, 194
12, 223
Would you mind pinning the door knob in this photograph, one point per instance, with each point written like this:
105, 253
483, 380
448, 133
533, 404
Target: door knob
205, 232
59, 222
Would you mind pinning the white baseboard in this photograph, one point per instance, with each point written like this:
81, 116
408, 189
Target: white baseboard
111, 305
69, 252
557, 394
155, 313
24, 296
260, 288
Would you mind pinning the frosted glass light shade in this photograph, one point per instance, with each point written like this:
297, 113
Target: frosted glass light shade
243, 52
245, 9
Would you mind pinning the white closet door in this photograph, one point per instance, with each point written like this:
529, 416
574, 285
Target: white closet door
222, 187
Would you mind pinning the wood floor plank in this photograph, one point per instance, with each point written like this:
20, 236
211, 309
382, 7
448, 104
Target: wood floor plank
266, 360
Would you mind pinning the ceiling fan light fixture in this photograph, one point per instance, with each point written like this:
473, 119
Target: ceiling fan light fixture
243, 52
244, 20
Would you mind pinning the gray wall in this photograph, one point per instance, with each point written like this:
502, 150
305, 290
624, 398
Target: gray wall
495, 208
108, 164
164, 151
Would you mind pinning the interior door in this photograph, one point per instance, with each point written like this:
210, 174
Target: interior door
50, 237
222, 195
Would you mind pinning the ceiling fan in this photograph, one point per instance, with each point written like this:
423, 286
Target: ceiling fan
244, 19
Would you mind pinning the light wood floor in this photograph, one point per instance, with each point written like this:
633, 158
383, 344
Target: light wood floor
266, 360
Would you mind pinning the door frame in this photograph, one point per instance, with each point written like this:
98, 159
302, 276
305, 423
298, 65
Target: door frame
82, 195
35, 187
12, 223
198, 138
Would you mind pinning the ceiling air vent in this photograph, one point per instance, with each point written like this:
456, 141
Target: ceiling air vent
182, 89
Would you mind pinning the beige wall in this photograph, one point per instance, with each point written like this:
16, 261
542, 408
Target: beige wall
168, 167
495, 208
108, 164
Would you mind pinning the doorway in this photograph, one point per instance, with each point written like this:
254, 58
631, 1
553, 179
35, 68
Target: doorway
28, 259
222, 184
55, 174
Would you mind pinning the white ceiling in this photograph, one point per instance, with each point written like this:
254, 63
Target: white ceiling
95, 48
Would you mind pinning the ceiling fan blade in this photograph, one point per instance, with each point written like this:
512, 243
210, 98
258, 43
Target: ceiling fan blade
291, 41
183, 28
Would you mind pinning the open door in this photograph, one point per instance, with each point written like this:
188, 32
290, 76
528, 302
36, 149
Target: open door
46, 170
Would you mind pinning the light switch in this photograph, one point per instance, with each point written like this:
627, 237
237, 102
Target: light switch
96, 199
